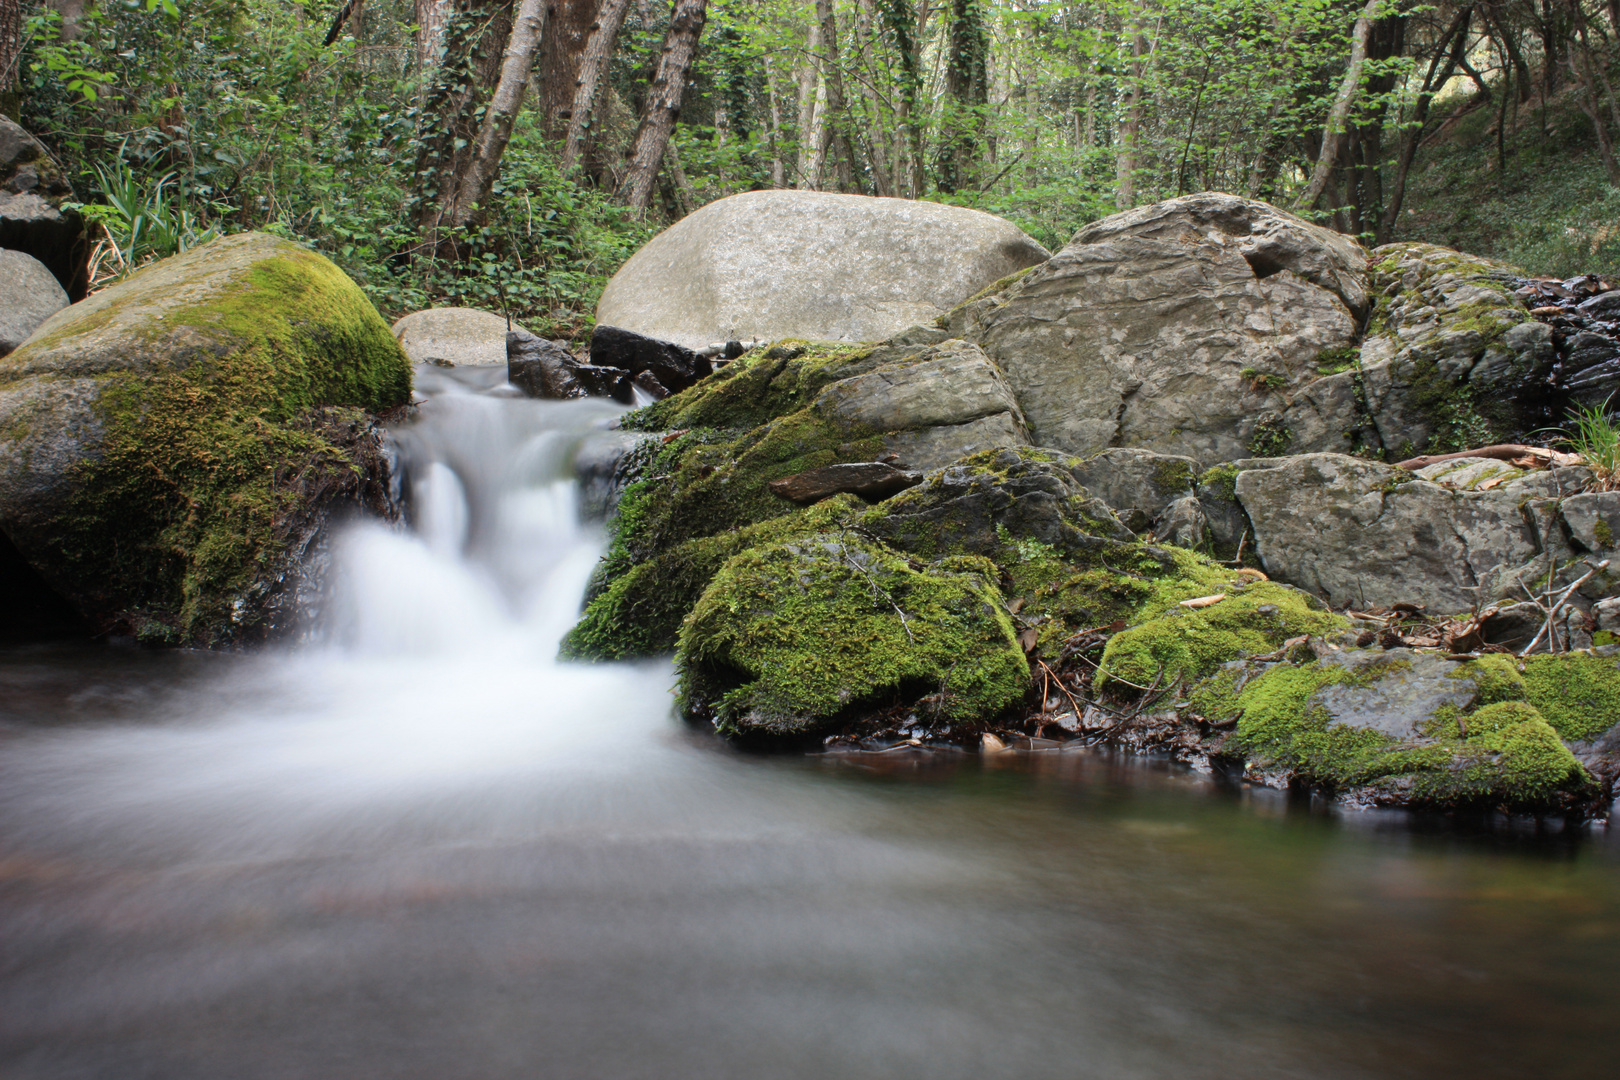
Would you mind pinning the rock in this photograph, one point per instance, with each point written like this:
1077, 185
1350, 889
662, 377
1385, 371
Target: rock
33, 610
1365, 533
673, 366
1182, 328
542, 369
791, 638
932, 447
951, 383
1182, 523
648, 384
1470, 473
871, 480
814, 265
599, 465
171, 446
1141, 486
1593, 518
1452, 357
32, 219
456, 337
29, 294
1602, 306
1401, 728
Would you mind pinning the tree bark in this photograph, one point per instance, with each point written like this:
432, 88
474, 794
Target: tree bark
570, 25
10, 43
430, 20
836, 131
1333, 132
1130, 128
876, 137
598, 51
774, 132
966, 93
1451, 46
663, 102
461, 202
807, 169
903, 23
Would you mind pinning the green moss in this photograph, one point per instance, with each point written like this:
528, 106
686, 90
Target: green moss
1496, 678
1578, 693
1263, 381
1271, 437
988, 291
1222, 481
1335, 361
217, 441
1602, 533
791, 637
640, 612
1177, 643
1172, 476
757, 387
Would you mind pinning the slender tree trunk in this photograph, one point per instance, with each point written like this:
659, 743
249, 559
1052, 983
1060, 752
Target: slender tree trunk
430, 20
685, 197
808, 170
832, 77
663, 102
472, 187
877, 154
905, 24
1333, 132
1450, 47
10, 45
774, 133
966, 94
598, 51
1130, 127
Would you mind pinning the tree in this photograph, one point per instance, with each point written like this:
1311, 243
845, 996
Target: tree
598, 51
663, 103
1333, 132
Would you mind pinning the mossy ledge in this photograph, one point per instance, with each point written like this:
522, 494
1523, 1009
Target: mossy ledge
168, 445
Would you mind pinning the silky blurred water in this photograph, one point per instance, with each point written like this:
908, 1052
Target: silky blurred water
418, 847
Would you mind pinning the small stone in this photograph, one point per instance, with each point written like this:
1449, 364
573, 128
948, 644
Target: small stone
871, 480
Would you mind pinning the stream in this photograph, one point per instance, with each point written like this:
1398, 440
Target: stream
415, 846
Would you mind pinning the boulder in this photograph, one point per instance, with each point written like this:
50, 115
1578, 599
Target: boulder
1186, 328
1141, 486
790, 639
1452, 357
29, 294
541, 368
171, 446
809, 264
454, 337
1363, 533
1402, 728
33, 191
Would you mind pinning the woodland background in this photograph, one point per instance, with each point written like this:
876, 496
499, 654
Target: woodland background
510, 154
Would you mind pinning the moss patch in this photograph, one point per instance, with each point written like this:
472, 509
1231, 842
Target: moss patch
1578, 693
791, 637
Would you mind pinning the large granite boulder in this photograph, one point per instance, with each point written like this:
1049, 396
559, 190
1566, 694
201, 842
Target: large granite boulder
765, 265
29, 294
32, 219
454, 337
173, 445
1186, 327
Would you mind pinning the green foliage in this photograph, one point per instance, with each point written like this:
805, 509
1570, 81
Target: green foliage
1596, 437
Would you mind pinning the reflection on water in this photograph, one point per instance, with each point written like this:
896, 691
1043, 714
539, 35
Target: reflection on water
423, 849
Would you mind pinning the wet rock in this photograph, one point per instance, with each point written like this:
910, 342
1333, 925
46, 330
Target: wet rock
454, 337
1604, 305
674, 366
599, 464
29, 294
811, 265
1176, 328
871, 480
648, 383
542, 369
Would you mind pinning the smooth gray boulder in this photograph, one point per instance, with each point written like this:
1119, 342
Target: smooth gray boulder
29, 294
32, 219
454, 337
1185, 327
765, 265
1364, 533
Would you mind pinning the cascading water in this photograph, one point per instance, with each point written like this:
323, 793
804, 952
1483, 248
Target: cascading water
417, 847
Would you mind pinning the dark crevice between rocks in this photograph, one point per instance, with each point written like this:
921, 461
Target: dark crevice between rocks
1263, 264
30, 610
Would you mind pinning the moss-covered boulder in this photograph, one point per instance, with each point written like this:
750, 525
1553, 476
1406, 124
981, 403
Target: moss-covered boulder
791, 639
171, 445
1401, 728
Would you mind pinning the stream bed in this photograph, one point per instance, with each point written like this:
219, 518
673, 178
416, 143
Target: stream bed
414, 846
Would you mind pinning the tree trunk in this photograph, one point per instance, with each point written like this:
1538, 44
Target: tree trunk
807, 170
1451, 46
10, 44
774, 132
832, 77
1130, 127
430, 19
685, 197
966, 93
570, 25
1333, 132
663, 102
876, 137
461, 202
598, 51
903, 23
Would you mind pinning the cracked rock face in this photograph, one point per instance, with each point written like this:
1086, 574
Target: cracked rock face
1186, 327
808, 264
1364, 533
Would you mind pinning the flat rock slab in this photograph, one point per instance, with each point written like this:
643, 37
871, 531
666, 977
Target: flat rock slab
810, 264
1412, 688
454, 337
872, 480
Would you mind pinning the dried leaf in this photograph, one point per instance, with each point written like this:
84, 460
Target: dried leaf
1203, 601
989, 744
1027, 638
1250, 572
